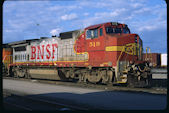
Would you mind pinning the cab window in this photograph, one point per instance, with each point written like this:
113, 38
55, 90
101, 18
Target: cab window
126, 31
92, 33
110, 30
101, 31
88, 33
118, 30
95, 33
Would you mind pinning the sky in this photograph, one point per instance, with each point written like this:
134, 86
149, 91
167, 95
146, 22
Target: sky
23, 20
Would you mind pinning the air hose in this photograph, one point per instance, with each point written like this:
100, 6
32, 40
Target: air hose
141, 69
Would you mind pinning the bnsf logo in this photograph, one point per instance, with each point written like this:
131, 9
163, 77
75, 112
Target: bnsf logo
43, 51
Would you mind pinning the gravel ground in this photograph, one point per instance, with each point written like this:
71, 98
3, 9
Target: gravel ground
96, 98
159, 86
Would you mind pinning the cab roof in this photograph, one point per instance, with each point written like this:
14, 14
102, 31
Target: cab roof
107, 23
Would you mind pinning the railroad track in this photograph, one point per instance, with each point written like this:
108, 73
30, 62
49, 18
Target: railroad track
27, 103
159, 80
159, 71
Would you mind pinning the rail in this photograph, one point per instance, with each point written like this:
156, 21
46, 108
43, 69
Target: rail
159, 70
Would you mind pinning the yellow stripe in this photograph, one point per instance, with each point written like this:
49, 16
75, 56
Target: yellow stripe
114, 48
105, 63
128, 48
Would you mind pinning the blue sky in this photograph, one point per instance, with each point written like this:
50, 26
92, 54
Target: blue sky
24, 20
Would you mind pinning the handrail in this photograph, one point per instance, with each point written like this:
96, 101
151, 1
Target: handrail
150, 56
121, 53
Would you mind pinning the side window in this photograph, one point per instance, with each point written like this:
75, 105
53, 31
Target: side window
95, 33
92, 33
88, 33
101, 31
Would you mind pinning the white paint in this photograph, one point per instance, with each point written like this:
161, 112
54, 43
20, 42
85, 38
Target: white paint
164, 59
45, 42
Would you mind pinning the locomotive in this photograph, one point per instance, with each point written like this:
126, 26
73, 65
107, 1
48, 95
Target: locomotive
105, 53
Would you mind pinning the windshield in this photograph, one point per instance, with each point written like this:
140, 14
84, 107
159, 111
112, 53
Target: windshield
118, 30
110, 30
113, 30
126, 30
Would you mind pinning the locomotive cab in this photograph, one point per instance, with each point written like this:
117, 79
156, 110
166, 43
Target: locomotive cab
112, 45
112, 39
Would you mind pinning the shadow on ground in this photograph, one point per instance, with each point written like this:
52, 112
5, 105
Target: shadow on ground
109, 100
159, 83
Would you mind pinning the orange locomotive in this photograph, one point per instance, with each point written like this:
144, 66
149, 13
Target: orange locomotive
104, 53
6, 58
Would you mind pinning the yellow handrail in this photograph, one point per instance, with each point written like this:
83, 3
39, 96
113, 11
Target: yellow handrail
120, 54
150, 56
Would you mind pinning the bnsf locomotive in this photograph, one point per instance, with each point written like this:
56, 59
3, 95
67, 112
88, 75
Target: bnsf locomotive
105, 53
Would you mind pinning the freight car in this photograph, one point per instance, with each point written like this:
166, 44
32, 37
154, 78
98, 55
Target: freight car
153, 58
156, 60
104, 53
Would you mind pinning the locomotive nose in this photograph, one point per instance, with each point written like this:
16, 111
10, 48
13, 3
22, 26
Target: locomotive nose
134, 37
